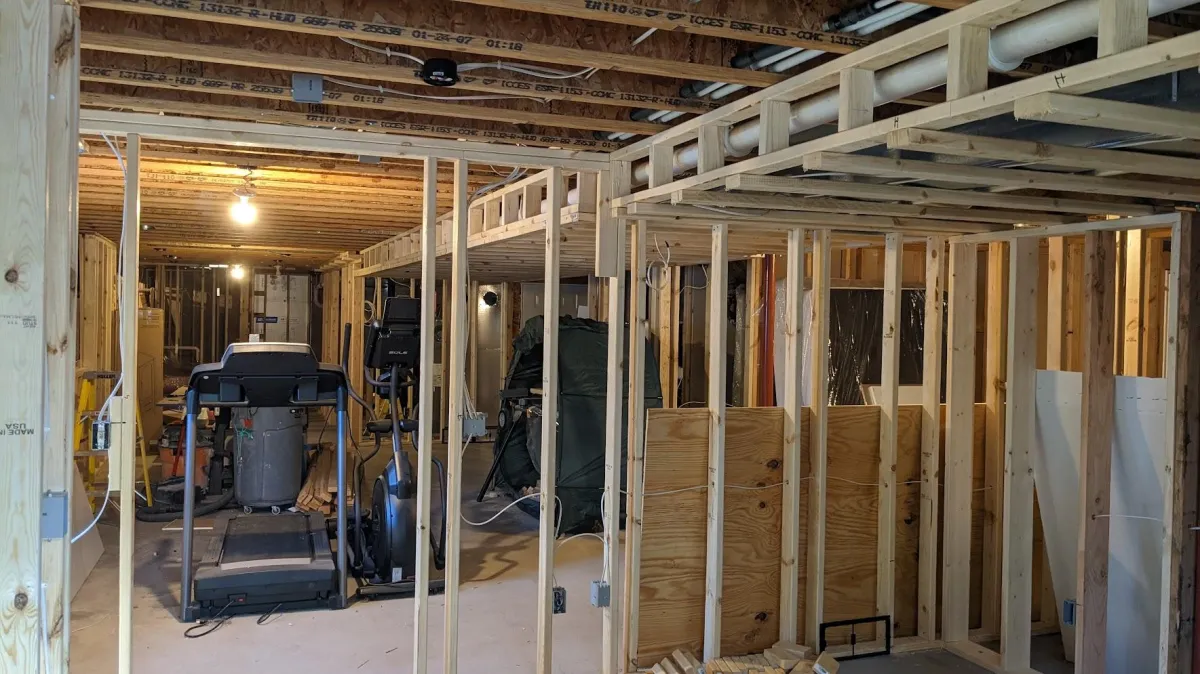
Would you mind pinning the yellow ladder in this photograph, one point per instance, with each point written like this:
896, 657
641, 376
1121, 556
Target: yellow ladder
85, 411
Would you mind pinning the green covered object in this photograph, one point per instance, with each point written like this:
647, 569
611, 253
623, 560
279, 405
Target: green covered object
582, 398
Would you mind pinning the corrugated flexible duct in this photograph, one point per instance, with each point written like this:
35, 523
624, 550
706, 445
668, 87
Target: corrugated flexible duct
1010, 45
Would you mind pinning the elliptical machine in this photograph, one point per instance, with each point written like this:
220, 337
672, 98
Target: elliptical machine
384, 541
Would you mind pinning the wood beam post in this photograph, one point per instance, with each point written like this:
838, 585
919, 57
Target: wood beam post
967, 61
710, 147
1124, 25
425, 414
718, 291
856, 98
1017, 549
996, 374
613, 421
126, 435
789, 583
1095, 457
61, 255
960, 444
636, 449
608, 228
773, 123
931, 422
889, 424
1178, 603
547, 520
457, 371
1132, 332
660, 167
814, 601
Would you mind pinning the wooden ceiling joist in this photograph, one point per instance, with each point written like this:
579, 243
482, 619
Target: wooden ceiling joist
381, 72
158, 105
957, 144
349, 97
702, 217
929, 195
735, 200
730, 28
1099, 113
885, 167
504, 48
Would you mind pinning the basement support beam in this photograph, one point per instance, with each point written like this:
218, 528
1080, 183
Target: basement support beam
1016, 579
61, 261
995, 378
613, 422
636, 449
1178, 603
547, 519
25, 67
789, 583
425, 415
960, 443
889, 425
126, 435
818, 438
457, 381
718, 291
931, 420
1095, 457
1105, 114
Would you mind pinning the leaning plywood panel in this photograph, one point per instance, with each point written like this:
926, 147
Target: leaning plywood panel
673, 551
1134, 572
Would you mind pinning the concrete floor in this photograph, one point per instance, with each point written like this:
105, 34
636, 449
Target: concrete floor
497, 624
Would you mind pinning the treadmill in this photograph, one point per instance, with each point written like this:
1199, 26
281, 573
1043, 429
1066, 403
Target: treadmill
264, 562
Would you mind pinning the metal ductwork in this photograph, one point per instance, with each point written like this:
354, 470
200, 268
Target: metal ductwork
1010, 45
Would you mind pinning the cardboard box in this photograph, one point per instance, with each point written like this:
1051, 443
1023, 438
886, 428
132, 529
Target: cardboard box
150, 360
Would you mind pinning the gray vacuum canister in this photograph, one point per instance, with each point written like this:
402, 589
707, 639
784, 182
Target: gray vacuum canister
268, 455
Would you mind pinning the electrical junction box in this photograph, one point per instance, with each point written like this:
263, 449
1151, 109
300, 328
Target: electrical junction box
560, 600
475, 426
308, 88
601, 594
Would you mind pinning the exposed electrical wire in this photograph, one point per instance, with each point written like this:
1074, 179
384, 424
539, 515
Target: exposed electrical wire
526, 69
387, 51
483, 97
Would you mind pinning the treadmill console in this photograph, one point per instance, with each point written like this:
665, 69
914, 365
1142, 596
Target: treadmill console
267, 374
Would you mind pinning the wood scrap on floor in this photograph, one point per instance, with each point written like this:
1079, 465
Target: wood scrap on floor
320, 489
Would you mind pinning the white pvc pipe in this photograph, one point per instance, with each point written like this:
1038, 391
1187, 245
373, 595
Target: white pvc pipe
1010, 44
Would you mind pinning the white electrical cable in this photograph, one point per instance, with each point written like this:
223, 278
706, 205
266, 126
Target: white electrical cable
387, 51
382, 90
557, 522
525, 69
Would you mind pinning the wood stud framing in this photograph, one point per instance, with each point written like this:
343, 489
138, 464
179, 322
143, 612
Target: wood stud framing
425, 416
889, 421
717, 328
454, 421
1016, 580
547, 518
814, 602
613, 420
960, 415
1095, 456
636, 443
931, 403
792, 398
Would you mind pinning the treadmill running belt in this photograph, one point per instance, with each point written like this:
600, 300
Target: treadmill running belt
266, 540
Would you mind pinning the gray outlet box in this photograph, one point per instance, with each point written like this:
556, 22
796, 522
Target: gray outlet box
308, 88
601, 594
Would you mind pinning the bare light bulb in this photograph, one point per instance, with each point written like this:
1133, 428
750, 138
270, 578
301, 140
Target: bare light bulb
243, 212
237, 272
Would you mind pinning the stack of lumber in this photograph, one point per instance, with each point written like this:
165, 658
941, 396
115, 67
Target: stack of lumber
779, 659
320, 489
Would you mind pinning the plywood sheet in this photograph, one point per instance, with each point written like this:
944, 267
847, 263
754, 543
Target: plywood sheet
674, 533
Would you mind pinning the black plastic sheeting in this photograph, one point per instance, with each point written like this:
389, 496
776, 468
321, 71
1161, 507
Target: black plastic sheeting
856, 341
582, 400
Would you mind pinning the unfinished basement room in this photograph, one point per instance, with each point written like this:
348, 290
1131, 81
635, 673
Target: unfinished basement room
599, 336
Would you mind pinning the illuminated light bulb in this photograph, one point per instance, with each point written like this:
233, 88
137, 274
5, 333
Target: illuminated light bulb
243, 212
237, 272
